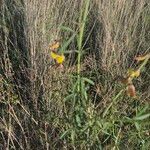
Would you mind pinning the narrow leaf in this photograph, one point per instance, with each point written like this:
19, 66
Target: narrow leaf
66, 29
142, 117
64, 134
88, 80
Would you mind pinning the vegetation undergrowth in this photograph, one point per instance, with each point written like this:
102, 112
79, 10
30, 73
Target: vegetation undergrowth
74, 74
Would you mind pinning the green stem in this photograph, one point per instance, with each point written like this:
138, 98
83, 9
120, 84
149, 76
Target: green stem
144, 63
82, 21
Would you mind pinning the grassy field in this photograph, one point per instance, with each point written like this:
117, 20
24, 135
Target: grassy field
74, 75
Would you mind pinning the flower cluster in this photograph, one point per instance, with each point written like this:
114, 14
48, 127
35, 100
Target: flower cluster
132, 73
59, 58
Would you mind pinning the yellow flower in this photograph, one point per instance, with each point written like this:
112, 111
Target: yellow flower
59, 58
137, 73
53, 55
133, 73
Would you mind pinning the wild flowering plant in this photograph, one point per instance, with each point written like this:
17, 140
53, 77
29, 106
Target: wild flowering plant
132, 74
59, 58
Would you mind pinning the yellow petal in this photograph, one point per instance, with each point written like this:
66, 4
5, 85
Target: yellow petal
60, 59
130, 72
133, 73
53, 55
137, 73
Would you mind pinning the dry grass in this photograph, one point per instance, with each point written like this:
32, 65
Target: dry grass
40, 105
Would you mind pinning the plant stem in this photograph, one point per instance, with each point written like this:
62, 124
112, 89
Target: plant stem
82, 21
144, 63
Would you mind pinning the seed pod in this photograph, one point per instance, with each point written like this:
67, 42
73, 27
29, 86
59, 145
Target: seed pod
141, 58
131, 90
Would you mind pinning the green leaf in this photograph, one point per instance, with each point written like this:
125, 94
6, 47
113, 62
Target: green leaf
64, 134
143, 110
85, 95
71, 51
88, 80
66, 29
78, 120
137, 125
73, 136
142, 117
83, 92
71, 96
66, 44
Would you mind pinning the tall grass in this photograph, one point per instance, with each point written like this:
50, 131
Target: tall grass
83, 106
